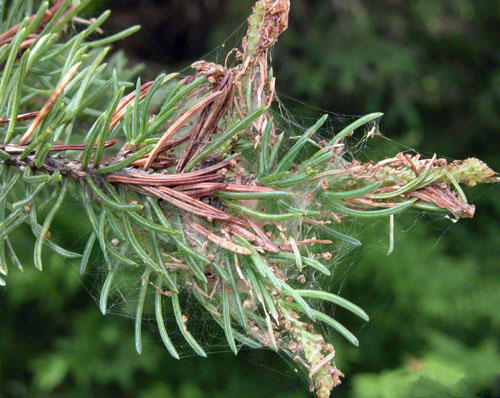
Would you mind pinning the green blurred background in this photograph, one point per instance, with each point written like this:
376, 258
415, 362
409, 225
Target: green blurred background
433, 67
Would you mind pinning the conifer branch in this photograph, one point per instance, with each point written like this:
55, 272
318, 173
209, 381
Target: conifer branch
202, 198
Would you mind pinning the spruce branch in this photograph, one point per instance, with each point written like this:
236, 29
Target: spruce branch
189, 183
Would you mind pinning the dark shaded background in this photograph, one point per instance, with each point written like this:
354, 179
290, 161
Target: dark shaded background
434, 69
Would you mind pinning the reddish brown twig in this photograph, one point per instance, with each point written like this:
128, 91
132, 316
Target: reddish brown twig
163, 180
201, 189
185, 202
207, 121
142, 178
24, 116
178, 124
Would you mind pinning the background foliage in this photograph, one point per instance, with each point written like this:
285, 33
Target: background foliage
433, 68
